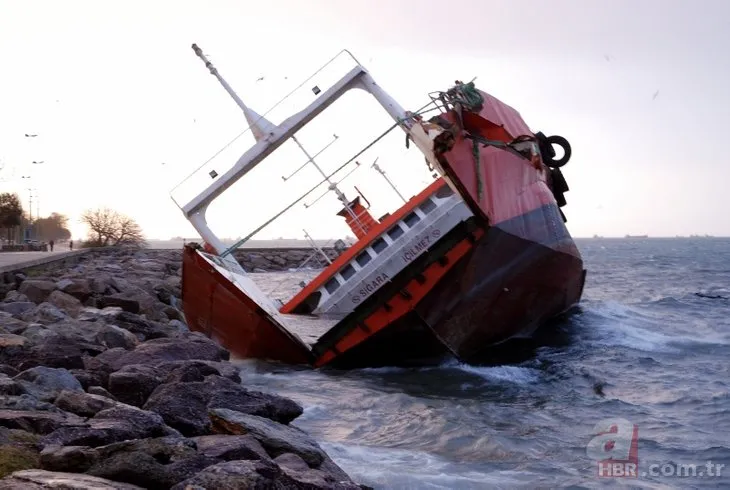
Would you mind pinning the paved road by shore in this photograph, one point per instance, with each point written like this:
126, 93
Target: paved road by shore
18, 258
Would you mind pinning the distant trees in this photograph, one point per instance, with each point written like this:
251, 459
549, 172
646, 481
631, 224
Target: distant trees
11, 212
54, 227
109, 227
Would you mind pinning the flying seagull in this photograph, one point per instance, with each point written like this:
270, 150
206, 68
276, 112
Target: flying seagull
655, 95
259, 79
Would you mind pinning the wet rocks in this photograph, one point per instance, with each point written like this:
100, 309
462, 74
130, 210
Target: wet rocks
65, 302
134, 383
103, 386
39, 479
185, 405
35, 421
46, 383
192, 346
17, 307
35, 290
275, 438
81, 403
78, 288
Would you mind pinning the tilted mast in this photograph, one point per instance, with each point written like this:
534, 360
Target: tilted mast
261, 128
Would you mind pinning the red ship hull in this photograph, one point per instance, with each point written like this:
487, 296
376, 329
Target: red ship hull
217, 308
505, 287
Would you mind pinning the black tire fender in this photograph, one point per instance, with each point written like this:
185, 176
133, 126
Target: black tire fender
559, 184
561, 142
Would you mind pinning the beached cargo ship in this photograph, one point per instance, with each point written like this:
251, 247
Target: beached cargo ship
479, 256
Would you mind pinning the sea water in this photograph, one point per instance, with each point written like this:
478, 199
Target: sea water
649, 344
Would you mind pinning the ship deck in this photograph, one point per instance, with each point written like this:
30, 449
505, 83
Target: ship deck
308, 328
283, 286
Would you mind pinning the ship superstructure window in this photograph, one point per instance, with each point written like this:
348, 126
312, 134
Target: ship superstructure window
427, 206
379, 245
444, 192
332, 285
363, 258
411, 219
395, 232
347, 272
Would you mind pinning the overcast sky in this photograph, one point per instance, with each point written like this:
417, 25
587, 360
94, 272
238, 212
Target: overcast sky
113, 91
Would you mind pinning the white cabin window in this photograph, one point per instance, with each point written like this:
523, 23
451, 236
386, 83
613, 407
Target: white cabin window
427, 206
379, 245
332, 285
395, 232
363, 258
444, 192
347, 272
411, 219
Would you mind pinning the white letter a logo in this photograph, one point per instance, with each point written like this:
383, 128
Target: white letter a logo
613, 440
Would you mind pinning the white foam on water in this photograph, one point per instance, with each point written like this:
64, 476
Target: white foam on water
508, 374
619, 326
390, 370
398, 468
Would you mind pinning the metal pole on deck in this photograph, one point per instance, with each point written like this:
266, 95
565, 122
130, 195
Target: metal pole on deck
315, 246
382, 172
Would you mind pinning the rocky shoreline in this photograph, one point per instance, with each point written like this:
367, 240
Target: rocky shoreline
102, 385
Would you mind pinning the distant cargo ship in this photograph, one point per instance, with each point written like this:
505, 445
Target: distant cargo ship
636, 236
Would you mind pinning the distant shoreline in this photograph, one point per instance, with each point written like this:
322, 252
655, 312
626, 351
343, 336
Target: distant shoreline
285, 243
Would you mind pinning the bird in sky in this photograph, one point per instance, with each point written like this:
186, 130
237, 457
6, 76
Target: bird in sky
655, 95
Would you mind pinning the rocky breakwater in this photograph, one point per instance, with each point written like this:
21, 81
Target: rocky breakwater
103, 386
269, 260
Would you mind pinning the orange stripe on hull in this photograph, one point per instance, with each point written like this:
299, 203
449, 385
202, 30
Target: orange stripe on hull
398, 305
